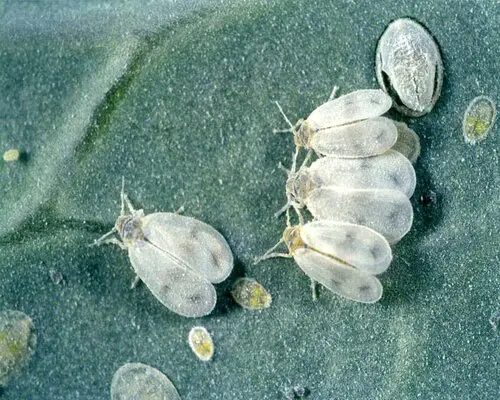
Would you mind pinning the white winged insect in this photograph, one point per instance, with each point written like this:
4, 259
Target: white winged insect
371, 191
177, 257
350, 126
342, 257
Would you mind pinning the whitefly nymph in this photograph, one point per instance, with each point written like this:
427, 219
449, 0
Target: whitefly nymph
349, 126
177, 257
479, 118
372, 191
409, 67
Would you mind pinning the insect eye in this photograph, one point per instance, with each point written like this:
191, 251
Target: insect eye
132, 229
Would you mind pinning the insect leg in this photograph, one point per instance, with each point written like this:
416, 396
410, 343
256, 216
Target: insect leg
291, 129
135, 282
282, 209
313, 289
270, 254
306, 159
283, 168
112, 241
297, 211
334, 92
103, 239
180, 210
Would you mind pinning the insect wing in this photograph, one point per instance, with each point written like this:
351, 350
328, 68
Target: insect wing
390, 170
352, 244
171, 281
389, 212
360, 139
199, 246
408, 143
344, 280
352, 107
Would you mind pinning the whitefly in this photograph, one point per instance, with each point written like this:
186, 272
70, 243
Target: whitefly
342, 257
409, 67
372, 191
349, 126
177, 257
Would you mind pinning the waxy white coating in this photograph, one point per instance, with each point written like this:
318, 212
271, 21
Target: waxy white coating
409, 67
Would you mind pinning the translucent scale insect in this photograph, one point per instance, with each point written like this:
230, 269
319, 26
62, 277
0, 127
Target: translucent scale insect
133, 381
17, 344
409, 67
177, 257
250, 294
371, 191
479, 118
349, 126
341, 256
201, 343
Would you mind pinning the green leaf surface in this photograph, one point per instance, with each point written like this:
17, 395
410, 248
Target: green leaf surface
177, 98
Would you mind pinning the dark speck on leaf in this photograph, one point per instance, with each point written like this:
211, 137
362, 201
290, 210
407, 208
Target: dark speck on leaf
428, 199
56, 276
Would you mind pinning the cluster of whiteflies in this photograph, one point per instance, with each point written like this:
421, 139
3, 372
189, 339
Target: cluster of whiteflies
357, 192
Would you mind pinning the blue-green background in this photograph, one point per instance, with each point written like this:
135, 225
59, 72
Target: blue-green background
177, 96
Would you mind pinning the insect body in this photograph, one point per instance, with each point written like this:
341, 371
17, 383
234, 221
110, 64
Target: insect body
17, 343
201, 343
342, 257
478, 119
349, 126
409, 67
250, 294
370, 191
177, 257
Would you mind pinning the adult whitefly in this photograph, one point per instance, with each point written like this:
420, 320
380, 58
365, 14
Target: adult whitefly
387, 211
348, 126
409, 67
390, 170
17, 343
479, 118
134, 381
340, 256
177, 257
371, 191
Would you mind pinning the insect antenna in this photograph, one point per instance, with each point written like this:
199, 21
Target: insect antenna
271, 254
292, 127
122, 197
